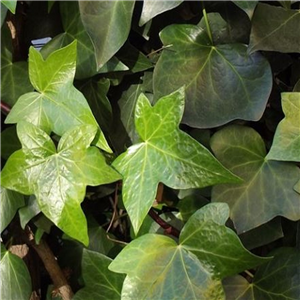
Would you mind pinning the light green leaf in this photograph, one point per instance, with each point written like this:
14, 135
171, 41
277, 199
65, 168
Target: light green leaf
14, 75
100, 283
222, 83
273, 29
10, 203
286, 142
165, 154
58, 178
15, 278
108, 39
57, 105
276, 280
10, 4
267, 190
297, 187
247, 6
191, 270
153, 8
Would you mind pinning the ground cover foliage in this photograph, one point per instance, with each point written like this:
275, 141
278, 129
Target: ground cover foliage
150, 150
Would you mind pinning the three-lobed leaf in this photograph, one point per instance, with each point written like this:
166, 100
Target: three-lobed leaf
165, 154
58, 178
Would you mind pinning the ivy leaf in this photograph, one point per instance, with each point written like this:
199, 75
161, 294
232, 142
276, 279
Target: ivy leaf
100, 283
10, 203
57, 105
191, 270
165, 154
108, 39
10, 4
273, 29
283, 270
286, 143
247, 6
153, 8
267, 190
15, 278
58, 178
29, 211
222, 82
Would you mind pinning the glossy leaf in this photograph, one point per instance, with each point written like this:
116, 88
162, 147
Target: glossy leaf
29, 211
286, 142
222, 82
14, 75
108, 39
273, 29
58, 178
171, 271
276, 280
10, 203
15, 278
153, 8
267, 190
247, 6
165, 154
10, 4
56, 105
100, 283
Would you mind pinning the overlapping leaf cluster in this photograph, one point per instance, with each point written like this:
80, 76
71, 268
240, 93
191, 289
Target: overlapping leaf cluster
129, 92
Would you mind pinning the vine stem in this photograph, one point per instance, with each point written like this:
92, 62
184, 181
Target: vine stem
207, 25
169, 229
5, 108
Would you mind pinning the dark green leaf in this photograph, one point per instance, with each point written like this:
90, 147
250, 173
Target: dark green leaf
10, 4
267, 190
297, 86
273, 29
29, 211
15, 278
100, 283
9, 142
58, 178
222, 82
108, 39
180, 161
247, 6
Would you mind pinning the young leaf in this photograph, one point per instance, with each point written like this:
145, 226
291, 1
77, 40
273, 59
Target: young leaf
15, 278
58, 178
171, 271
108, 39
222, 82
286, 143
165, 154
100, 283
273, 29
57, 105
267, 190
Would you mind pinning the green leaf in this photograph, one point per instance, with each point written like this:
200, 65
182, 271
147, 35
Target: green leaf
247, 6
15, 278
191, 270
10, 4
57, 105
14, 75
267, 190
273, 29
297, 86
58, 178
29, 211
100, 283
276, 280
222, 82
286, 142
9, 142
10, 203
108, 39
153, 8
165, 154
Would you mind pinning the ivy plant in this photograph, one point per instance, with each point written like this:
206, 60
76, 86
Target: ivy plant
150, 150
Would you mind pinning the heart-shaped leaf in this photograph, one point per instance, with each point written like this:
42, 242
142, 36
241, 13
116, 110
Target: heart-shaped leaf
165, 154
278, 279
108, 39
286, 143
267, 190
57, 105
15, 278
273, 29
222, 82
58, 178
207, 252
100, 283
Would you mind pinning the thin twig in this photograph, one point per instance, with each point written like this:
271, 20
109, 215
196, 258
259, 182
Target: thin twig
5, 108
114, 208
